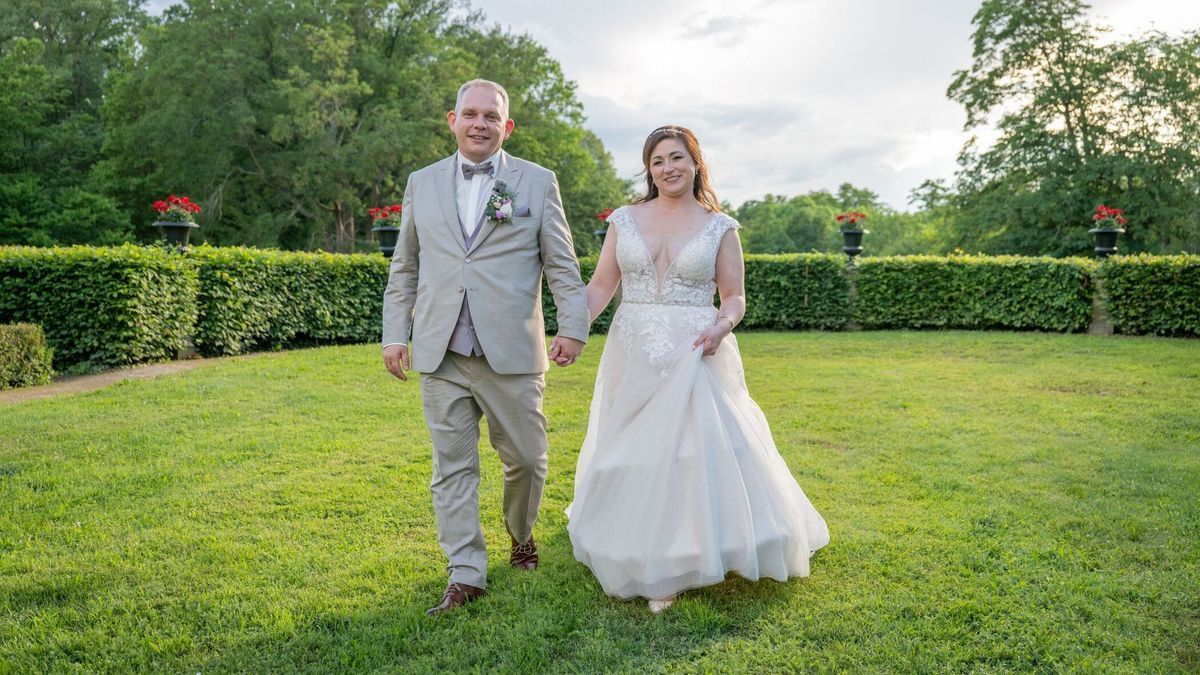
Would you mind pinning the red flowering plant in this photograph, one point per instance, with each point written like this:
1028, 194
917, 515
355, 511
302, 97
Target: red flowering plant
176, 210
849, 220
603, 215
386, 216
1108, 218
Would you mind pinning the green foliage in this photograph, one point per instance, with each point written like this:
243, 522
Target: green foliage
1152, 295
25, 359
777, 224
1081, 123
44, 158
287, 121
101, 308
796, 291
253, 300
974, 292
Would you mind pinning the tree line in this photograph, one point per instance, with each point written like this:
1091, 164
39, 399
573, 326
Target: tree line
288, 120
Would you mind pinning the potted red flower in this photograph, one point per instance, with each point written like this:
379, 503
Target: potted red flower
176, 219
387, 226
1108, 223
603, 217
852, 232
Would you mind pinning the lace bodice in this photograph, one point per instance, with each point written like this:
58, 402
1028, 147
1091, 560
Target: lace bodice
690, 277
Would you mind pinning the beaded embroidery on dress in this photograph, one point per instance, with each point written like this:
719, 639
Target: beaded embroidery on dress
679, 481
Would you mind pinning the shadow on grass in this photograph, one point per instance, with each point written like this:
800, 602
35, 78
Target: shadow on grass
553, 619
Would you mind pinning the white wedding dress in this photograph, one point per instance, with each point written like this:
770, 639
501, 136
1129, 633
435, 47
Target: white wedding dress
679, 481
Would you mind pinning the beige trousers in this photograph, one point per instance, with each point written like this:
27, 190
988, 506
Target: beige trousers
455, 396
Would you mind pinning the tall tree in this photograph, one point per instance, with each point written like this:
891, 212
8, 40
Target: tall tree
289, 119
50, 123
1081, 122
42, 200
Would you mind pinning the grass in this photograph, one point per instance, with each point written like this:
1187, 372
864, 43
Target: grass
997, 502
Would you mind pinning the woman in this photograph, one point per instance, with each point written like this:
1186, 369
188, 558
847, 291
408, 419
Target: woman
679, 481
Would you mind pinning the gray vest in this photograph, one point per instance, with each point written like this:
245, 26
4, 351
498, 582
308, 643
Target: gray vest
463, 340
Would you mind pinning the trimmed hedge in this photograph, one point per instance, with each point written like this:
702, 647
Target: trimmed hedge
108, 307
796, 291
1152, 295
101, 307
252, 299
975, 292
25, 360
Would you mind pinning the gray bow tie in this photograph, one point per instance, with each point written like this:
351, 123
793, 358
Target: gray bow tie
472, 169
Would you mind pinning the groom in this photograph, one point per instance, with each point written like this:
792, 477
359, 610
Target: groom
465, 285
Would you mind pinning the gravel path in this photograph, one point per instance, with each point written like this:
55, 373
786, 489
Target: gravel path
75, 384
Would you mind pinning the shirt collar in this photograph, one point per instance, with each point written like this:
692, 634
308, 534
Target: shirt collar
459, 160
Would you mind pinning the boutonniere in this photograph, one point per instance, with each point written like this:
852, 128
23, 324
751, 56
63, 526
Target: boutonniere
500, 204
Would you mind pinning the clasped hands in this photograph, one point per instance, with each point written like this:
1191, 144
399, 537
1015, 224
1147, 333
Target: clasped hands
563, 352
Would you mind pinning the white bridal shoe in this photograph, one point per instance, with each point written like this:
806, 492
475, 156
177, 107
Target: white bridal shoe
657, 606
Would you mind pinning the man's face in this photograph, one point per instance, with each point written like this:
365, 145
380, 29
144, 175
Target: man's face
480, 124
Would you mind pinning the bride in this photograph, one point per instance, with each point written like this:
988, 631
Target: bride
679, 481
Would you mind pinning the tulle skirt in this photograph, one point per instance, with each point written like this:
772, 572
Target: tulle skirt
679, 481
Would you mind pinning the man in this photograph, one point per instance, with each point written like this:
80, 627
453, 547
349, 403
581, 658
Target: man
465, 284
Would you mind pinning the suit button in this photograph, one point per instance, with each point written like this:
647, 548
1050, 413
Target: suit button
461, 289
468, 261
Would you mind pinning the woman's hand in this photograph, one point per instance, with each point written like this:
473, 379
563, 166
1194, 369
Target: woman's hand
710, 338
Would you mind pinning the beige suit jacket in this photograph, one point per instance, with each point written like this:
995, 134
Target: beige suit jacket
501, 272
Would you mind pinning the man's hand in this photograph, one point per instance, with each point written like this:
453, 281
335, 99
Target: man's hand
395, 358
564, 350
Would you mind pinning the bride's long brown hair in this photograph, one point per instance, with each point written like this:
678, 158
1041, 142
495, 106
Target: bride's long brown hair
701, 187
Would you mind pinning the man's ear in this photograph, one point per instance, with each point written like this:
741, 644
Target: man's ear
508, 128
450, 117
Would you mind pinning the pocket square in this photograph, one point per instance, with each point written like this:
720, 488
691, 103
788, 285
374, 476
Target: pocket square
522, 212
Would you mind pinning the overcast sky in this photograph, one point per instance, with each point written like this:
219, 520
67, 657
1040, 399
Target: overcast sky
786, 96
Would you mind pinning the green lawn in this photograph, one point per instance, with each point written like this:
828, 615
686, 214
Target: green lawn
997, 502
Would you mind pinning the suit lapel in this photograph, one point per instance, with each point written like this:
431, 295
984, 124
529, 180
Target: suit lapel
508, 172
449, 198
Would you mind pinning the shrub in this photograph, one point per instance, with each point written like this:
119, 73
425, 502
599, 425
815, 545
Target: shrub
101, 307
256, 299
25, 359
975, 292
1152, 295
796, 291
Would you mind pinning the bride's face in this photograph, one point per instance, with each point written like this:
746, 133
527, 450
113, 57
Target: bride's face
672, 168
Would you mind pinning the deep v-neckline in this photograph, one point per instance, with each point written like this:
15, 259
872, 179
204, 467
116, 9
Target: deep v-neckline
660, 280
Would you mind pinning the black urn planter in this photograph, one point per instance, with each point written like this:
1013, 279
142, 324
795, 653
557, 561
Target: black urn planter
388, 235
176, 233
852, 242
1106, 240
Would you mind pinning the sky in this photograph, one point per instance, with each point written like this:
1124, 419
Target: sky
785, 96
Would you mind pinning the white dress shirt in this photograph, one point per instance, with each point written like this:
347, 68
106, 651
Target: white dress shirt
472, 193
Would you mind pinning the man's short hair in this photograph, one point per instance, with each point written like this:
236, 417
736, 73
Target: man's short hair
482, 83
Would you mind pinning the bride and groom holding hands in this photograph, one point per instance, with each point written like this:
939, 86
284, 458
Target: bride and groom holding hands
678, 481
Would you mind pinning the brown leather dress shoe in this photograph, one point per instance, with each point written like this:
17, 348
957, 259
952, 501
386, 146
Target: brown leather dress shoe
524, 556
456, 595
